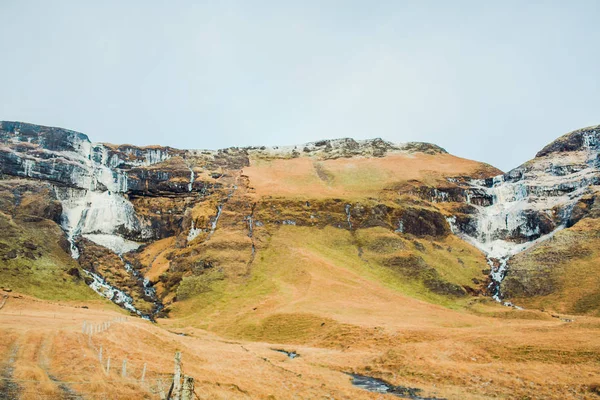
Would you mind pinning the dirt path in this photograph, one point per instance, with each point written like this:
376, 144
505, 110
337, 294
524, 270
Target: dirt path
9, 389
66, 392
3, 301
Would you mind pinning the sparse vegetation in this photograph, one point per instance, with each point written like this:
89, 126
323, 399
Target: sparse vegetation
561, 274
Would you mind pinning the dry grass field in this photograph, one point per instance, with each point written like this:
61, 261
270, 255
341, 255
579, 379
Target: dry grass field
484, 351
354, 177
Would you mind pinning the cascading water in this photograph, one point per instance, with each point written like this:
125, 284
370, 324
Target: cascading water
94, 206
97, 216
120, 297
528, 205
495, 225
192, 177
149, 290
497, 274
117, 296
215, 220
505, 214
194, 232
347, 209
250, 221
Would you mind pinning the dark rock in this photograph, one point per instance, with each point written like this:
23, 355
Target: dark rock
422, 147
74, 272
440, 286
423, 222
30, 245
580, 210
11, 255
419, 246
528, 282
573, 141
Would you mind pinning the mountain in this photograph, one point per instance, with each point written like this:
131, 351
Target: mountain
119, 204
317, 245
190, 208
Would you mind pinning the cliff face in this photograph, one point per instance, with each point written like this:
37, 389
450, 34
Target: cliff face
510, 213
147, 222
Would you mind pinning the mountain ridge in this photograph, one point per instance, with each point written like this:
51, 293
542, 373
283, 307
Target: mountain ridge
109, 194
32, 130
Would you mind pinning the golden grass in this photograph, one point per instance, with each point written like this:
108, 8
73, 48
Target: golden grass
154, 257
571, 270
351, 177
479, 358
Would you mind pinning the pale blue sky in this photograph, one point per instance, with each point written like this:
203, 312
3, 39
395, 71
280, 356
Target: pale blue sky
488, 80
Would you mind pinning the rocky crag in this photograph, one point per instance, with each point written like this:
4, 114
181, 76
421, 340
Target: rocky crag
150, 226
507, 214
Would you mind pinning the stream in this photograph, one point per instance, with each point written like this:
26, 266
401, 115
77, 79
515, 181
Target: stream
380, 386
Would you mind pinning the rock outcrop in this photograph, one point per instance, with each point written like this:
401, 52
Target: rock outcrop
511, 212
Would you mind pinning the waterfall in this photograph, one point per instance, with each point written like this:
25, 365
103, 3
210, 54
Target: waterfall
98, 216
347, 208
497, 224
117, 296
149, 290
192, 176
194, 232
250, 223
215, 220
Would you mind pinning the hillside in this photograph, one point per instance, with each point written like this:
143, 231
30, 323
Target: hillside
389, 260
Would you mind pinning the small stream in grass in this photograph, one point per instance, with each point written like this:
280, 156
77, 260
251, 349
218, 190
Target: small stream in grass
291, 354
380, 386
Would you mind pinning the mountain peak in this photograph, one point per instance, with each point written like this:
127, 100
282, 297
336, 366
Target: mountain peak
345, 148
580, 139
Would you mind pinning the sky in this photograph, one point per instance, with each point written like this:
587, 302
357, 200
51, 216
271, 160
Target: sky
493, 81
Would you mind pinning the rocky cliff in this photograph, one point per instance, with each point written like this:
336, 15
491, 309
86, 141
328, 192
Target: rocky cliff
153, 225
509, 213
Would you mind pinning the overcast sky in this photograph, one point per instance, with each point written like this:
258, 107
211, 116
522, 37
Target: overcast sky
489, 80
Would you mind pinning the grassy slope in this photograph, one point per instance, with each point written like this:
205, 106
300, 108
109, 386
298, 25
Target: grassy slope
46, 275
562, 274
34, 258
355, 178
308, 271
308, 290
307, 274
